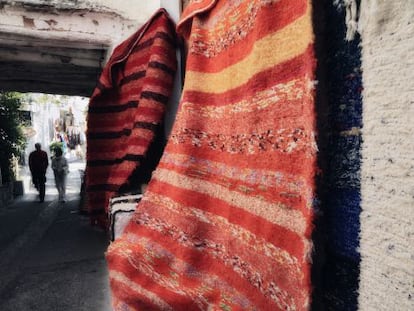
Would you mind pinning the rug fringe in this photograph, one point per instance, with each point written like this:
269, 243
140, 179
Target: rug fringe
351, 17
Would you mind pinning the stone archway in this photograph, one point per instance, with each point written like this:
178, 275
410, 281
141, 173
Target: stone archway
60, 47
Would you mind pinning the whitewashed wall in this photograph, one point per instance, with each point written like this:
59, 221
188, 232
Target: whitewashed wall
387, 171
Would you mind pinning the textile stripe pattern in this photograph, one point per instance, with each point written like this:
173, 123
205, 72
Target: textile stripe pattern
121, 208
387, 183
225, 223
126, 107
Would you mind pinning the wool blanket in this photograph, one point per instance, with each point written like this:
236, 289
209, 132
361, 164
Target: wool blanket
387, 181
340, 192
226, 221
126, 109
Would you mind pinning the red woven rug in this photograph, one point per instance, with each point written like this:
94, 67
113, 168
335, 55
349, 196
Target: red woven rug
126, 108
225, 223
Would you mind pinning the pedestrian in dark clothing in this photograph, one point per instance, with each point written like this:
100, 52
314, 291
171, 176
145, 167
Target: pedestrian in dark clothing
38, 163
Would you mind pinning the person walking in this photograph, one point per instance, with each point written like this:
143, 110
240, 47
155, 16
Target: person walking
60, 170
38, 163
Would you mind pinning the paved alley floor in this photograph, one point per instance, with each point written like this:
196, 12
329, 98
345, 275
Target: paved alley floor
50, 256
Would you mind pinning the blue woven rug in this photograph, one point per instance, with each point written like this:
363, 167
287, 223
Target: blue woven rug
341, 200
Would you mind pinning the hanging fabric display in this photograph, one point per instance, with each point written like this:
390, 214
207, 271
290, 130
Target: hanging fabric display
226, 221
126, 109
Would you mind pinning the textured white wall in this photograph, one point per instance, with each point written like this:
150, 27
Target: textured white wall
136, 10
387, 186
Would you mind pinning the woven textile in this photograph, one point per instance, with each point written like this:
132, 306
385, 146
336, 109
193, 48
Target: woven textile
121, 209
387, 181
127, 107
341, 203
225, 223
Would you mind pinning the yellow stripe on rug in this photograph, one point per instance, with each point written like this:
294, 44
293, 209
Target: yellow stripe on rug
274, 49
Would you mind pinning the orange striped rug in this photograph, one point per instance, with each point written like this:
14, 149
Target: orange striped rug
225, 223
126, 111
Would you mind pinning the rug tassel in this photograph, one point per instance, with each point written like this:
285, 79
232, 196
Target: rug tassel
351, 17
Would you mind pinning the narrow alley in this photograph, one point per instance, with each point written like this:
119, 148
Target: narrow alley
51, 258
231, 155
